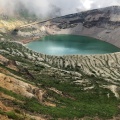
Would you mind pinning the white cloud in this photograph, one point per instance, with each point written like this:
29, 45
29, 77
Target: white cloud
86, 4
91, 4
47, 7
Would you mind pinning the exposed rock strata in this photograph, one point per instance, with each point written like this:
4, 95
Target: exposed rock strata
102, 24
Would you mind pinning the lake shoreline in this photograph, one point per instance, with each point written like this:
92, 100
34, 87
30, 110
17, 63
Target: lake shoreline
71, 44
26, 41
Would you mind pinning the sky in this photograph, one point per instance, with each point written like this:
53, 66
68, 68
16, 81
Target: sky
53, 7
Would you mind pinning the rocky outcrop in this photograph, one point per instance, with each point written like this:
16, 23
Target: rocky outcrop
102, 24
20, 87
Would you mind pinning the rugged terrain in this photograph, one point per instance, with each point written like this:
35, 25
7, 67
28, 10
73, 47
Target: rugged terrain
38, 86
99, 23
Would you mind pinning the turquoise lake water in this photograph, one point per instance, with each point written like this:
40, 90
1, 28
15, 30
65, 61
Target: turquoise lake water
71, 44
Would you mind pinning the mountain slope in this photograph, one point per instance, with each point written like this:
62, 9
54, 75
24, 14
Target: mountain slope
86, 81
102, 24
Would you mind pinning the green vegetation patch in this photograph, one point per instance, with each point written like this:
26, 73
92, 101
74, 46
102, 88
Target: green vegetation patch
12, 115
12, 94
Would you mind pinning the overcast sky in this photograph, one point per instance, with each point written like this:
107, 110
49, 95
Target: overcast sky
46, 7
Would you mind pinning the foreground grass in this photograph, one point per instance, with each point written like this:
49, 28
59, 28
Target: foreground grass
73, 109
12, 115
80, 103
83, 104
12, 94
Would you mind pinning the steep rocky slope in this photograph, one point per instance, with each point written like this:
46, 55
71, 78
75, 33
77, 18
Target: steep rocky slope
99, 23
105, 68
13, 89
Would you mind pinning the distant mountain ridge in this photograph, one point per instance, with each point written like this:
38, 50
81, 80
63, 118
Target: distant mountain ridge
103, 24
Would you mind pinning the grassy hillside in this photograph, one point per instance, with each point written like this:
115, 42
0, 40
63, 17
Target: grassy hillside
60, 96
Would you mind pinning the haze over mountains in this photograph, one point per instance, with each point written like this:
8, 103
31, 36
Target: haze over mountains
52, 8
